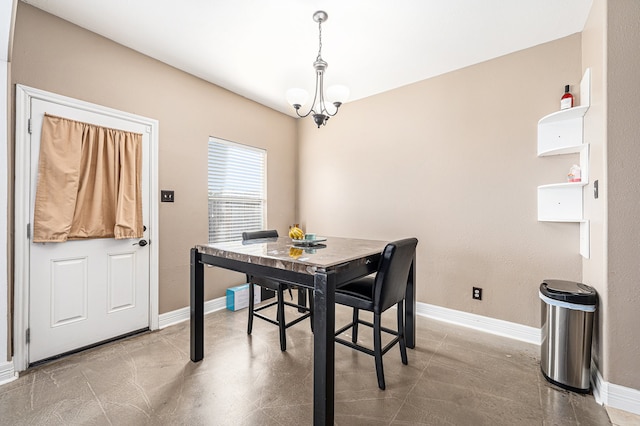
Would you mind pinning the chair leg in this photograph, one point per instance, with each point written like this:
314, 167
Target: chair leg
354, 331
311, 308
290, 292
401, 341
282, 324
302, 299
377, 349
251, 301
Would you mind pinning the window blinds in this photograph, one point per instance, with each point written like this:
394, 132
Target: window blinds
237, 195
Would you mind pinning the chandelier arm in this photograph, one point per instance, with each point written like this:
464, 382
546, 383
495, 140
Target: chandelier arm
320, 83
337, 108
302, 116
323, 106
315, 96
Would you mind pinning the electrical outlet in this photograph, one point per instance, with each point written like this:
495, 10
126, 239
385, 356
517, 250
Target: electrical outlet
166, 196
477, 293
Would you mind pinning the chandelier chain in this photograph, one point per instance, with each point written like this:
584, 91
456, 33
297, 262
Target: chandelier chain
319, 40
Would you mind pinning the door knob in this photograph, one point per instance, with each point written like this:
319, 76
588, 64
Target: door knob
141, 243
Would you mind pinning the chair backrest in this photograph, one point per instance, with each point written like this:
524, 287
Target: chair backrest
255, 235
390, 283
270, 233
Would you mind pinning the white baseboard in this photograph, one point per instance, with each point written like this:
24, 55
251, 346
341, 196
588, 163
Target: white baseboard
183, 314
478, 322
612, 395
465, 319
7, 372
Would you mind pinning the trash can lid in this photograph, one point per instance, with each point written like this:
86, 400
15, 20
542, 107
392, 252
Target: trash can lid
569, 291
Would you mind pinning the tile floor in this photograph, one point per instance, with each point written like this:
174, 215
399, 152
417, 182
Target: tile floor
455, 376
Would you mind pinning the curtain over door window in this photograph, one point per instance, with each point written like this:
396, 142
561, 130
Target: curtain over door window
89, 182
237, 194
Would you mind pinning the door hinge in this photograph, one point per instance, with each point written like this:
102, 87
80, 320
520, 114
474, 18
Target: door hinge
28, 231
29, 126
28, 335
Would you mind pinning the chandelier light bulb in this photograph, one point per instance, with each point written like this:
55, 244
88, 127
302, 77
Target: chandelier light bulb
337, 94
297, 97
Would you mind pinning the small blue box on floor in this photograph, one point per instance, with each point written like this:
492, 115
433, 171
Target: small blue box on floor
238, 296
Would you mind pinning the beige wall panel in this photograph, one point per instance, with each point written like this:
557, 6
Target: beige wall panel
452, 160
54, 55
595, 130
623, 153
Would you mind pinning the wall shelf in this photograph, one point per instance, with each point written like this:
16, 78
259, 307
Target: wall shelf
560, 203
560, 133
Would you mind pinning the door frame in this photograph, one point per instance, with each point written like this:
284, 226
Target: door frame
24, 95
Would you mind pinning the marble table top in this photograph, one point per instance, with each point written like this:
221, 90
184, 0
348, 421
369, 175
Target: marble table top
282, 253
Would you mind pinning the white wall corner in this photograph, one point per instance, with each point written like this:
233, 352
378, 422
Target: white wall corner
598, 385
4, 224
612, 395
478, 322
7, 372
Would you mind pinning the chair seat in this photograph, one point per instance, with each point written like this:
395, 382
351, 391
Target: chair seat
266, 283
357, 294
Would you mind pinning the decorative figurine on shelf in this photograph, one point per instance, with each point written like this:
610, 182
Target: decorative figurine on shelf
574, 174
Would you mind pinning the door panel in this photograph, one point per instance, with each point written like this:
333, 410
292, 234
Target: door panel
68, 291
121, 282
85, 291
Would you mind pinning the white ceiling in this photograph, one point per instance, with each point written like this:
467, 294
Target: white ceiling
260, 48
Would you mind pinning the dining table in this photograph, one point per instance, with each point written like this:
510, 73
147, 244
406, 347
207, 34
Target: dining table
323, 265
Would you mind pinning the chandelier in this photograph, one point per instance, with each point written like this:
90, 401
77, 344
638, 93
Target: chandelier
336, 95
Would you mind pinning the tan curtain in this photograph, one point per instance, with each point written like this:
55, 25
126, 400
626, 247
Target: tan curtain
89, 182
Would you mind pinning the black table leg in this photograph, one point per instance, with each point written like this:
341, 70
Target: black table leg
197, 307
323, 350
410, 307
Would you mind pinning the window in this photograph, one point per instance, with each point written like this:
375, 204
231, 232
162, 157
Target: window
237, 195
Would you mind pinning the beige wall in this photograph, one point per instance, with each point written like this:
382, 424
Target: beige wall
610, 48
54, 55
595, 129
452, 160
623, 154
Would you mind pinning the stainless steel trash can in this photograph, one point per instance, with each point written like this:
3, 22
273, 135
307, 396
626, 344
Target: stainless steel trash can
567, 309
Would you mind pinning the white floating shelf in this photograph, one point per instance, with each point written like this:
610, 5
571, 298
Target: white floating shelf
562, 185
560, 203
564, 114
561, 132
560, 150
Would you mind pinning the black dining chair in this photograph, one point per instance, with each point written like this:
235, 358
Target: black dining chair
280, 302
377, 293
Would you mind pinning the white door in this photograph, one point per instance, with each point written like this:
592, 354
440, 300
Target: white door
85, 291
